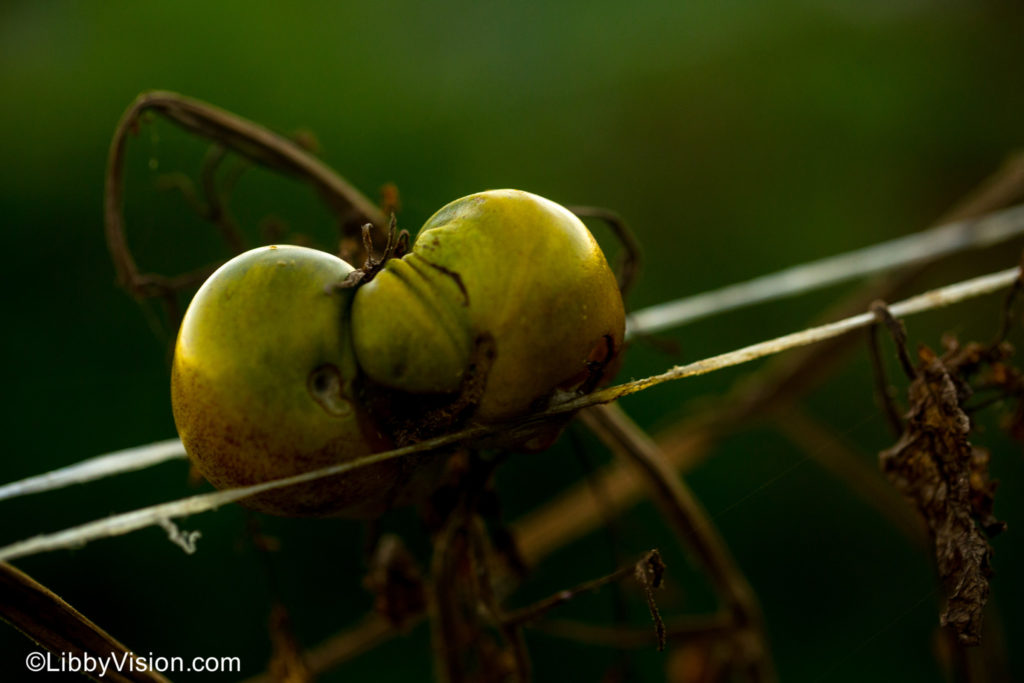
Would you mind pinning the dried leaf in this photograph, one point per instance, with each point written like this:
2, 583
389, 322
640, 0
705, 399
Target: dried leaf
946, 478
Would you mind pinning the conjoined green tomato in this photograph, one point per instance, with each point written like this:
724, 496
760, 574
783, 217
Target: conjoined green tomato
505, 300
262, 379
502, 267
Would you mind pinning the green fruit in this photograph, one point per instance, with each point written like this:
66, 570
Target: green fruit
505, 298
503, 268
261, 384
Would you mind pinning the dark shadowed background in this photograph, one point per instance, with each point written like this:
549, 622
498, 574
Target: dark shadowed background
736, 140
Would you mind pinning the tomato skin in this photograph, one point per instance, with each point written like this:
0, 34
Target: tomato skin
277, 369
505, 265
262, 384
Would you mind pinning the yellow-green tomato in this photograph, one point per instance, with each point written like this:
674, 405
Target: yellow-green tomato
261, 384
506, 265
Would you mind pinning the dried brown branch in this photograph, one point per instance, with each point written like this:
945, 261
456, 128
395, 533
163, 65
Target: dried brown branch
884, 392
450, 628
693, 526
648, 565
682, 629
898, 332
52, 623
464, 605
482, 576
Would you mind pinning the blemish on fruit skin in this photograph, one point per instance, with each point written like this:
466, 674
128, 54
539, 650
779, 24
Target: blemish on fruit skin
456, 278
235, 418
326, 385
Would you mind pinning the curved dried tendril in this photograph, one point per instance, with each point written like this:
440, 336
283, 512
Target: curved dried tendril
249, 140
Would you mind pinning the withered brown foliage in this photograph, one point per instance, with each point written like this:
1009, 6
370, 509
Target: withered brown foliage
946, 477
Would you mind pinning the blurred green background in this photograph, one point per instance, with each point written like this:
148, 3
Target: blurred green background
736, 138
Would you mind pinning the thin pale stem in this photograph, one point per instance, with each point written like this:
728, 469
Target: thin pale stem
156, 515
916, 248
145, 517
962, 234
937, 298
99, 467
